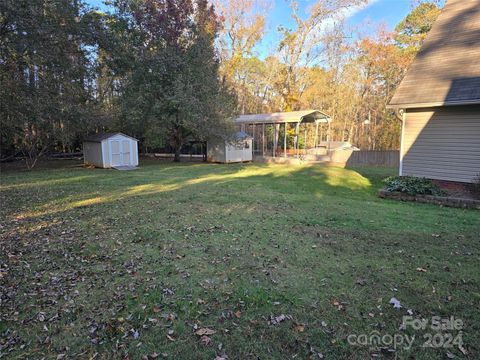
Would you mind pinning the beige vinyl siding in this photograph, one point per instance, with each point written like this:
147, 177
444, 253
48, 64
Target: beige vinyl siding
442, 143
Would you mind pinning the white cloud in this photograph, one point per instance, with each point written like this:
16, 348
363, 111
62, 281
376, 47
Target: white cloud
344, 15
356, 9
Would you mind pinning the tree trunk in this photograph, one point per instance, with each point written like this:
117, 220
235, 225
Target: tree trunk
176, 158
177, 138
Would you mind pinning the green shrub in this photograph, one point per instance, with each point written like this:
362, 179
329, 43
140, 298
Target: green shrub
412, 185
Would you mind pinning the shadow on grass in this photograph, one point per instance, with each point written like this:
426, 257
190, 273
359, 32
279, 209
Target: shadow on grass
198, 178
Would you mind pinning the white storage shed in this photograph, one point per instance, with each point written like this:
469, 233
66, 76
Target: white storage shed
107, 150
237, 148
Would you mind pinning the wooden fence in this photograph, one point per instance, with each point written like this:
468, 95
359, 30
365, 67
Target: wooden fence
374, 157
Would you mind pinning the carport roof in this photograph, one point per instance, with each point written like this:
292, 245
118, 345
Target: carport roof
284, 117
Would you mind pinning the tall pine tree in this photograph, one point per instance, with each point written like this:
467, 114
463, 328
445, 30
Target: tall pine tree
45, 74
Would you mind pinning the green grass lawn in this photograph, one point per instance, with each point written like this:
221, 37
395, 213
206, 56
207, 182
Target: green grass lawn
133, 263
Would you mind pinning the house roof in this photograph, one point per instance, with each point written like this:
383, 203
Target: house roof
446, 70
283, 117
99, 137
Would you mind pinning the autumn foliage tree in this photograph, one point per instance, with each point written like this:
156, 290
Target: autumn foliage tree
317, 65
171, 71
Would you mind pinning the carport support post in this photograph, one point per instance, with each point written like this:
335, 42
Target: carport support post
316, 137
276, 135
274, 138
253, 140
297, 143
305, 144
263, 139
328, 139
285, 141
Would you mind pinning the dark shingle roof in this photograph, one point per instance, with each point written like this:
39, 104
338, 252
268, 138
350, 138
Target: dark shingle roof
241, 135
99, 137
446, 70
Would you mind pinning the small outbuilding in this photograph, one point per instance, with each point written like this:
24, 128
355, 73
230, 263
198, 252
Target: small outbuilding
236, 148
110, 150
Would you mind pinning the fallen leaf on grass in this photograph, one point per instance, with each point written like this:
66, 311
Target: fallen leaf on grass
361, 282
168, 291
170, 338
395, 302
168, 316
41, 316
237, 314
299, 327
462, 349
338, 305
314, 354
420, 269
205, 340
150, 356
277, 319
205, 331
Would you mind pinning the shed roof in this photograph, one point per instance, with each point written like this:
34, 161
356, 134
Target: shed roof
446, 70
282, 117
241, 135
99, 137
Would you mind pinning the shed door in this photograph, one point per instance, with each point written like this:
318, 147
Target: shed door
126, 156
120, 150
115, 153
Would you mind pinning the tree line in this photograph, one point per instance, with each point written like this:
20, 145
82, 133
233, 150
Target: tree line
169, 71
323, 63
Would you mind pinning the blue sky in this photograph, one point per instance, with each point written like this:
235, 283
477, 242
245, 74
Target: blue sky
388, 12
